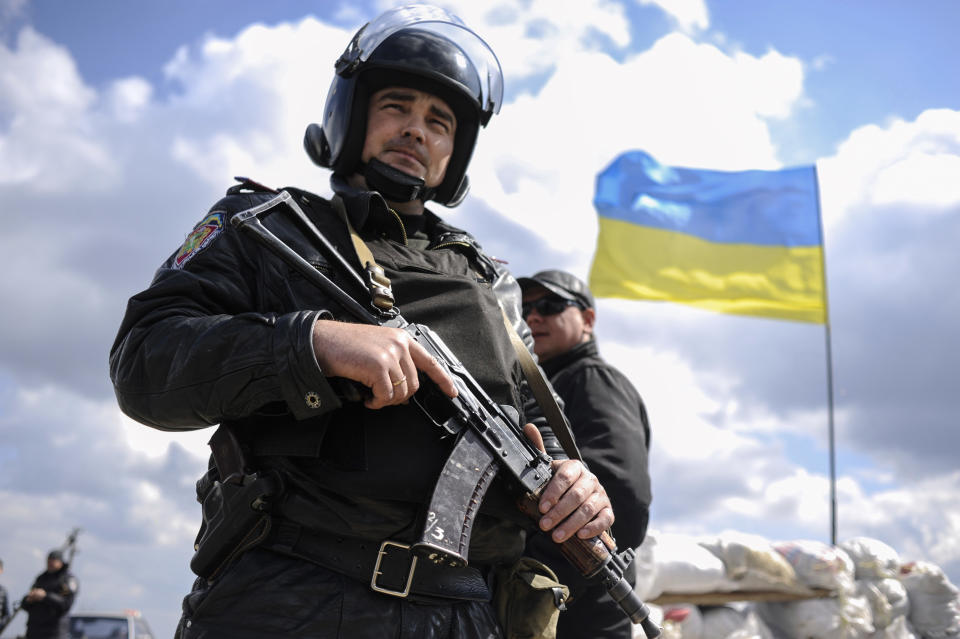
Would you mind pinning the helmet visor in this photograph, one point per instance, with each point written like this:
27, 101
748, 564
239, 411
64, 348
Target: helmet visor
439, 22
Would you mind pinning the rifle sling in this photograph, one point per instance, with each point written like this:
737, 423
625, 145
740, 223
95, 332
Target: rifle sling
538, 384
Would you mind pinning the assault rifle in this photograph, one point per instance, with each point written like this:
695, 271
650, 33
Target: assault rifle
489, 437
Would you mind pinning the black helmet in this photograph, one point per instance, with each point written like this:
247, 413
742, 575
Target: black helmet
419, 46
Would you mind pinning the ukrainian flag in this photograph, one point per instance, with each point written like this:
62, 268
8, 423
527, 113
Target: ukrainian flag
746, 242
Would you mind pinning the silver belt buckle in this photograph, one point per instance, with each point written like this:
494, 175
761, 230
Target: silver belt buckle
377, 573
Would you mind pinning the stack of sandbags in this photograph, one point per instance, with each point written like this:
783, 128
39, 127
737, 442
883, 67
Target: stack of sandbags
876, 568
847, 615
753, 563
873, 595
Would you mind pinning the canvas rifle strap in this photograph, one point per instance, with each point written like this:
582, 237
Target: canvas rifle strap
382, 296
377, 281
538, 384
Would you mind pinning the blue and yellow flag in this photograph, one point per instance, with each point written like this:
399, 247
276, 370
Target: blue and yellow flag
745, 242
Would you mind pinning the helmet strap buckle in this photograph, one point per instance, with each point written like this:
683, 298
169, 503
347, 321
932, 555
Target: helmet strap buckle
393, 184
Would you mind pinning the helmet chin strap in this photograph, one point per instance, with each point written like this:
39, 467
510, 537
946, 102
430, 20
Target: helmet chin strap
393, 184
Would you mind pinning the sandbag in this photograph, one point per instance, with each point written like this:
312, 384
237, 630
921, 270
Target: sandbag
646, 567
818, 565
682, 621
896, 594
880, 608
934, 607
727, 622
753, 563
683, 566
872, 559
899, 629
846, 616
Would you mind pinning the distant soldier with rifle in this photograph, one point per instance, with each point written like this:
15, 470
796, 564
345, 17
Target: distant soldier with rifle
50, 599
321, 517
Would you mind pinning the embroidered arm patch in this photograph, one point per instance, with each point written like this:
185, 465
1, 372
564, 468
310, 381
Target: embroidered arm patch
202, 235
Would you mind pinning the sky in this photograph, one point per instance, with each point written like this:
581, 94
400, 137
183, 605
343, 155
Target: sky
122, 122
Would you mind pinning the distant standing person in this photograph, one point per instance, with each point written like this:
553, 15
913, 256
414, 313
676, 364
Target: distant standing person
49, 600
4, 602
610, 424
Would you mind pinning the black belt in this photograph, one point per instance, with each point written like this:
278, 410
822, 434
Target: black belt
389, 566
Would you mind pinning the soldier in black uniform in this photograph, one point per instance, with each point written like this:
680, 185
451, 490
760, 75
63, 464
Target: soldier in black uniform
228, 333
50, 599
610, 422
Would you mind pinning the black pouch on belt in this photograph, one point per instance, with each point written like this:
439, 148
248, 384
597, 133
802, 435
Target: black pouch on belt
236, 508
235, 517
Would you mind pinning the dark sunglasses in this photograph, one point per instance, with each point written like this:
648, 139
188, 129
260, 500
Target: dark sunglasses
547, 306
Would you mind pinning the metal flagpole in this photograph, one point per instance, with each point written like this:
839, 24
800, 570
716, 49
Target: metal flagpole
829, 352
833, 450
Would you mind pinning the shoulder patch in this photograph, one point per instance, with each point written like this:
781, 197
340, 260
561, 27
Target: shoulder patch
200, 238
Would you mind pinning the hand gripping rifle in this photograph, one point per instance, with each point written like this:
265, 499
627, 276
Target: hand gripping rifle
489, 437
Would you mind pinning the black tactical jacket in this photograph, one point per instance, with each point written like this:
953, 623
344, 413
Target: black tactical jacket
48, 617
610, 423
223, 334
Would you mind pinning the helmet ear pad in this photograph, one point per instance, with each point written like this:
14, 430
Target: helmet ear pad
457, 197
316, 145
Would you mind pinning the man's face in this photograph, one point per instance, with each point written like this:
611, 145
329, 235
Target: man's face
555, 334
411, 131
53, 565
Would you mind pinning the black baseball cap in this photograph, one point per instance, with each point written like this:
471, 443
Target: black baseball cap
55, 554
561, 284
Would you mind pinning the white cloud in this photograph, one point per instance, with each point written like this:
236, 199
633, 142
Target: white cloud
128, 97
926, 511
927, 179
155, 444
903, 163
40, 79
44, 120
527, 38
255, 93
690, 15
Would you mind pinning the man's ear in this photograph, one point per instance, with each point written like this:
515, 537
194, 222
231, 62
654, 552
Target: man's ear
589, 317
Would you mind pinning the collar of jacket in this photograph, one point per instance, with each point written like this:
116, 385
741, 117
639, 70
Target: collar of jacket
581, 351
370, 215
